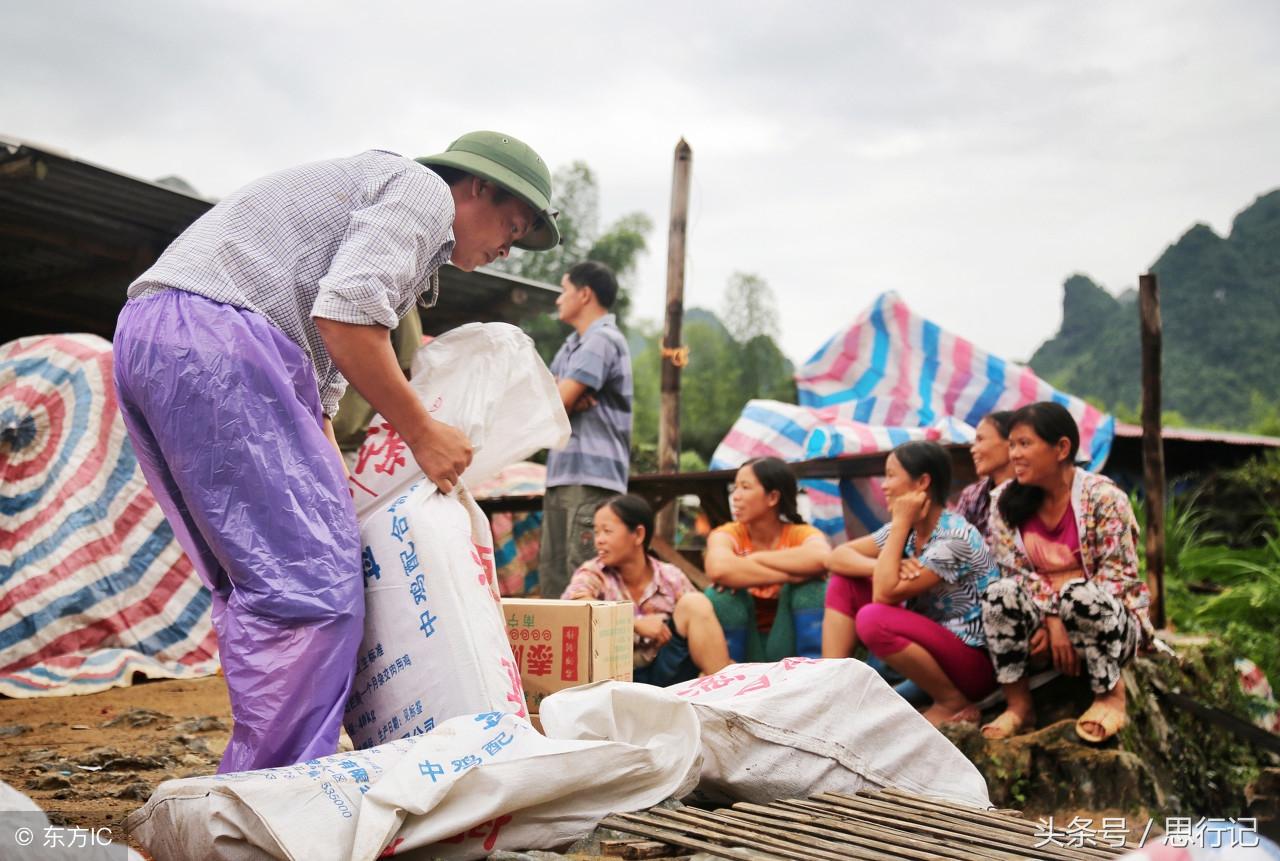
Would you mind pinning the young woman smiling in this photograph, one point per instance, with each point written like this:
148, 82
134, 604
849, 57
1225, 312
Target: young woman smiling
1066, 541
676, 632
935, 561
768, 567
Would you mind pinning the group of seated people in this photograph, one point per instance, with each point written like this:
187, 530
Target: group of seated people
1036, 564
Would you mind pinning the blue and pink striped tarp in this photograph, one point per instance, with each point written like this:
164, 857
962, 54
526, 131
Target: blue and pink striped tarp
93, 586
889, 377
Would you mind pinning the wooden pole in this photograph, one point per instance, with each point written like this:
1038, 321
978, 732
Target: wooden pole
674, 357
1152, 441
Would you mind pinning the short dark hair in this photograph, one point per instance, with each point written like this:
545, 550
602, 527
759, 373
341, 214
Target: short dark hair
597, 276
1051, 422
634, 512
926, 457
453, 175
774, 474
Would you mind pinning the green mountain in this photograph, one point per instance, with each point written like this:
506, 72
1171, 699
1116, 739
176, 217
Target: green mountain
1220, 306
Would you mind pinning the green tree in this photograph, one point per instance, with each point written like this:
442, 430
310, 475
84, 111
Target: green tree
749, 308
722, 375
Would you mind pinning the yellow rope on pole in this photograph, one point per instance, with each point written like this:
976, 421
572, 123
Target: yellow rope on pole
679, 356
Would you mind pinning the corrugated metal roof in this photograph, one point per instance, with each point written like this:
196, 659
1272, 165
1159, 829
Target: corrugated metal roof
1123, 429
73, 235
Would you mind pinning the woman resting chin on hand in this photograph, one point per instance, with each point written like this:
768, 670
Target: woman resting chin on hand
937, 563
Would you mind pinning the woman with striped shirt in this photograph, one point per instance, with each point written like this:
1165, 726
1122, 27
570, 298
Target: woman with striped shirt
912, 591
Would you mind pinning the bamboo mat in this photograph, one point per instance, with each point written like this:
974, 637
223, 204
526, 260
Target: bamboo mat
883, 825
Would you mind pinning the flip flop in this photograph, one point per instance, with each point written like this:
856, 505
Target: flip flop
1007, 725
1111, 719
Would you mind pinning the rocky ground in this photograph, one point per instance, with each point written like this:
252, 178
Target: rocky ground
91, 760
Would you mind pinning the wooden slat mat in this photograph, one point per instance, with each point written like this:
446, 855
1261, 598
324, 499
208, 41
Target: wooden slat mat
885, 825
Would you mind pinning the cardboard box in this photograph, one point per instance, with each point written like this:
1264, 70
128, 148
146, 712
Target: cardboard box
561, 644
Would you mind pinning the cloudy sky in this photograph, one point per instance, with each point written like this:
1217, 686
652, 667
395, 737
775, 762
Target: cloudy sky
969, 156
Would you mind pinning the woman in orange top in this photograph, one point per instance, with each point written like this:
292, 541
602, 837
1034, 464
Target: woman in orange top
769, 568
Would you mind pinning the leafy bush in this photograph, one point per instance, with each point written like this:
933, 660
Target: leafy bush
1213, 587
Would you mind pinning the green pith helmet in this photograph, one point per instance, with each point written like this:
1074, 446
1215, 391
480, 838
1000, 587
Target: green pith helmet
514, 166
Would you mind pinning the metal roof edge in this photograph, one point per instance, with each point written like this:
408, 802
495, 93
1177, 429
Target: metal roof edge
17, 144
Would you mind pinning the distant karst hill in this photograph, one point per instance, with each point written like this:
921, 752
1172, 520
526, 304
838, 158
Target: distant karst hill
1220, 304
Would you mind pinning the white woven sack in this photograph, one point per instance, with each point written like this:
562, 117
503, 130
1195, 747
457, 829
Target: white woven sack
477, 784
801, 726
487, 380
435, 645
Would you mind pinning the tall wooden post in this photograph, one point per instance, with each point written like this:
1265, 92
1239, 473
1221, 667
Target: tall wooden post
1152, 441
674, 357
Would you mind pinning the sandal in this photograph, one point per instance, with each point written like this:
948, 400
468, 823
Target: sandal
1007, 725
1111, 719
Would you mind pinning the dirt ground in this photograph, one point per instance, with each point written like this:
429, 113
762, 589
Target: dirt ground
91, 760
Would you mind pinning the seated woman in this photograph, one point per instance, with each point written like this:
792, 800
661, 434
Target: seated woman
1066, 542
990, 453
676, 632
768, 568
936, 562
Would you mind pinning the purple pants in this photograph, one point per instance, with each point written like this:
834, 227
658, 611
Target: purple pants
224, 414
886, 630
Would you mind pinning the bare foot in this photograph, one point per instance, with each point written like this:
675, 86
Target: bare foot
942, 713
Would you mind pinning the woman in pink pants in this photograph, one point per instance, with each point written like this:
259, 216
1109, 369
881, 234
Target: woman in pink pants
935, 562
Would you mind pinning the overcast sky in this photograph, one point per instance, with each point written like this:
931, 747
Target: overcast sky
970, 156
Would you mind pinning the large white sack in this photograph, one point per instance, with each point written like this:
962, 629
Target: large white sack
475, 785
800, 726
487, 380
435, 645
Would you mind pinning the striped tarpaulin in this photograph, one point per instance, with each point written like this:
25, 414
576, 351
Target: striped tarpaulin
517, 535
889, 377
93, 586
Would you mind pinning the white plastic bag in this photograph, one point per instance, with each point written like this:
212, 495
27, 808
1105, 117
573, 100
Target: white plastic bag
435, 645
477, 784
487, 380
800, 726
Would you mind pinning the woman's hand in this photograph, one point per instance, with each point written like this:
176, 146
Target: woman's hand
1064, 654
1039, 642
653, 628
910, 507
910, 569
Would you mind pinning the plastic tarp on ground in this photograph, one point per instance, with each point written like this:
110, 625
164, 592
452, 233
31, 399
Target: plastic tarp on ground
889, 377
93, 586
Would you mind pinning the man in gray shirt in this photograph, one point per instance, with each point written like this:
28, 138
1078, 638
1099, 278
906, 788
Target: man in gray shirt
230, 358
593, 371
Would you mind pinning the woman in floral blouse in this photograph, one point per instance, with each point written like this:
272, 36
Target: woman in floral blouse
677, 636
1066, 542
